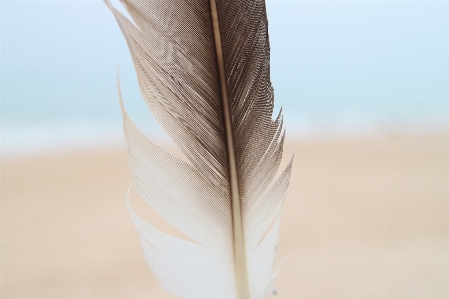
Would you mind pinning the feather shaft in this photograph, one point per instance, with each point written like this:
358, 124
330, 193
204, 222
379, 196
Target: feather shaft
240, 263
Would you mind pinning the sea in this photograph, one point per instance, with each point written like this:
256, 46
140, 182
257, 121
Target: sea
339, 68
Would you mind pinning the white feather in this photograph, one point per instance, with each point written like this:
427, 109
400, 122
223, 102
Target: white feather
170, 42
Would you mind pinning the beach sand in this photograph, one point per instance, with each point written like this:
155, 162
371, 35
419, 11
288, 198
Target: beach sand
365, 217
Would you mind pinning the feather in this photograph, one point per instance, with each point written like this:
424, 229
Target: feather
203, 70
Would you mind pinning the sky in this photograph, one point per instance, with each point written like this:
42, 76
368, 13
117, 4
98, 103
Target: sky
334, 64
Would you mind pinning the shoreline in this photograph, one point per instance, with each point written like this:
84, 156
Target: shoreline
23, 143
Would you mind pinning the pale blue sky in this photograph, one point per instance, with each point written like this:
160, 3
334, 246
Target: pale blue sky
334, 64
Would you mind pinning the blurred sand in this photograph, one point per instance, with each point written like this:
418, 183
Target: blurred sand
369, 218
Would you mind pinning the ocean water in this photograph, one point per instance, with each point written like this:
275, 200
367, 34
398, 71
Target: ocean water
341, 67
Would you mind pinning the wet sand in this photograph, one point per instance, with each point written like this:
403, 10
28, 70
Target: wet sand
367, 217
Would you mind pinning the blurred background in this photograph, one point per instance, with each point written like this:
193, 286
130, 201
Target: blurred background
364, 88
340, 66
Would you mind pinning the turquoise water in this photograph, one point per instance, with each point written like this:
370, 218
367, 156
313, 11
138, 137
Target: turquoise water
336, 66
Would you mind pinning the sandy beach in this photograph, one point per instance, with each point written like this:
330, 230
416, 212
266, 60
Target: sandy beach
366, 217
